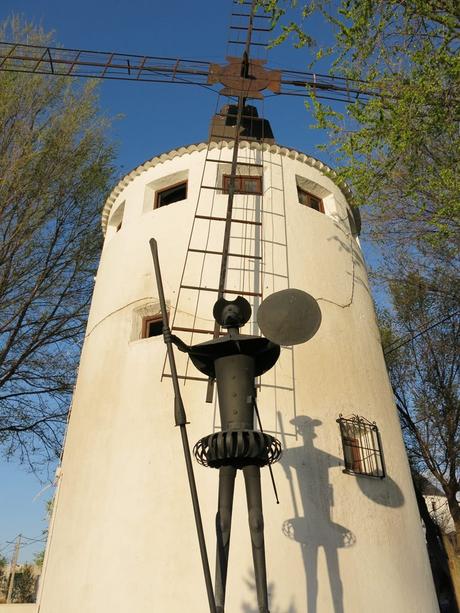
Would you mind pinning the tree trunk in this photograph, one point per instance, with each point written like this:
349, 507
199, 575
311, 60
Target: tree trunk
438, 557
454, 509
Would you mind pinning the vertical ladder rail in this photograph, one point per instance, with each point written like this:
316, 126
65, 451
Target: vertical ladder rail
182, 311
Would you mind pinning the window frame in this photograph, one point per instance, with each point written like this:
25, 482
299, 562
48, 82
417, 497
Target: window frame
158, 193
309, 196
240, 189
362, 447
146, 321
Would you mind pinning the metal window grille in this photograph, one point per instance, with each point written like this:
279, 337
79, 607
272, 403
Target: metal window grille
362, 449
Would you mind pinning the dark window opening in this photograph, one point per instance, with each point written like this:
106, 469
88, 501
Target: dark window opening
152, 326
310, 200
362, 452
116, 220
244, 185
173, 193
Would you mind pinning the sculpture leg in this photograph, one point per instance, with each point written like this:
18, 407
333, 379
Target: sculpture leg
227, 476
256, 526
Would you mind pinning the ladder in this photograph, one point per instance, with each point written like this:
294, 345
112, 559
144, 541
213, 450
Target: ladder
224, 253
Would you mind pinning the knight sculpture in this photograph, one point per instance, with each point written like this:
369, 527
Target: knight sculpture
234, 361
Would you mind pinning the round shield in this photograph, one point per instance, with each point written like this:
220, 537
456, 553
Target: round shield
289, 317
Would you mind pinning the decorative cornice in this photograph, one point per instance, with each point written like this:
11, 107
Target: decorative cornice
170, 155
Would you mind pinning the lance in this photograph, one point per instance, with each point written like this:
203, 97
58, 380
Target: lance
181, 421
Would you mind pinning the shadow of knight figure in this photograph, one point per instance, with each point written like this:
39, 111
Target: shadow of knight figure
234, 360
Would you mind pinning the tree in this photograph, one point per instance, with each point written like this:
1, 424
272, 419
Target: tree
3, 565
400, 151
55, 168
39, 558
24, 585
421, 336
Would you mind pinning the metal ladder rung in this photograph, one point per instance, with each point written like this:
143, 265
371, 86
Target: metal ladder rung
237, 193
249, 15
225, 291
166, 374
226, 136
251, 117
277, 387
212, 218
196, 330
233, 255
238, 163
253, 29
239, 42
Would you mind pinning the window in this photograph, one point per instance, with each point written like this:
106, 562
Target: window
313, 202
152, 326
173, 193
244, 184
116, 219
361, 446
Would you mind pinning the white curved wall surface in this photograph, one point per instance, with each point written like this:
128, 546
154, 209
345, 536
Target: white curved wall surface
122, 537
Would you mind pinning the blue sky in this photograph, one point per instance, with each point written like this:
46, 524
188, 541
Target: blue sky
157, 117
151, 118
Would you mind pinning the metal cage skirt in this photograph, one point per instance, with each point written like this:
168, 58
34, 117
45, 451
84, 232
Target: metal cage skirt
237, 448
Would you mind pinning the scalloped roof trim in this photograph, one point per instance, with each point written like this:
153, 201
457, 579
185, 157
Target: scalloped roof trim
170, 155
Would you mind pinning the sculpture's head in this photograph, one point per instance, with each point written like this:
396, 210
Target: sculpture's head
232, 313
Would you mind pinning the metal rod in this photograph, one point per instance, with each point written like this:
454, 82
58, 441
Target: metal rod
269, 466
232, 185
288, 468
181, 421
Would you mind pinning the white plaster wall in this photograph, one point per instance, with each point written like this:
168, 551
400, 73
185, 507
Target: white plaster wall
122, 537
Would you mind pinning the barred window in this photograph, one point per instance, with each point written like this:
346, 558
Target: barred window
362, 450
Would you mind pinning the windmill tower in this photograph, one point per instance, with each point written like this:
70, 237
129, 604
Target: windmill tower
237, 215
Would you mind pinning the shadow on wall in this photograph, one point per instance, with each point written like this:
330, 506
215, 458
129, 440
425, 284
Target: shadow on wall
248, 608
358, 274
312, 526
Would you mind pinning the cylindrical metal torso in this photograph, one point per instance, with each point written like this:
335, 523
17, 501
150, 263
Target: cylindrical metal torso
235, 388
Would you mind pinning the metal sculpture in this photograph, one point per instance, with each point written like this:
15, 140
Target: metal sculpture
234, 361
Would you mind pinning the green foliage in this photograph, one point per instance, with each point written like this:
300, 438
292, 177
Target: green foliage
39, 558
398, 147
400, 151
55, 169
421, 336
24, 585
